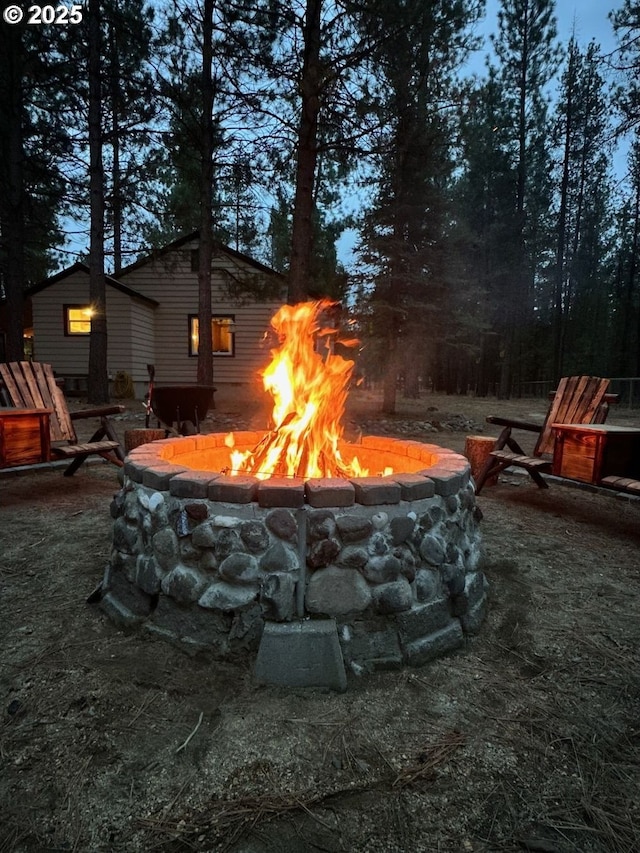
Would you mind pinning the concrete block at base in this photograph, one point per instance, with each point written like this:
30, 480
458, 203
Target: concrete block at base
301, 654
118, 613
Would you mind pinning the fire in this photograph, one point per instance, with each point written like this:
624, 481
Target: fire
309, 390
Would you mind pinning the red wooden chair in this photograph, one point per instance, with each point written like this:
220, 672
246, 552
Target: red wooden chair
577, 400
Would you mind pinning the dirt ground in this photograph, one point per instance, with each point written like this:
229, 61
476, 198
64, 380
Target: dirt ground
526, 739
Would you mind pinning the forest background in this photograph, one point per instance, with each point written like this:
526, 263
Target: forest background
496, 246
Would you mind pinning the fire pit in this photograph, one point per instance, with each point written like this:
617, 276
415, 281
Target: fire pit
371, 571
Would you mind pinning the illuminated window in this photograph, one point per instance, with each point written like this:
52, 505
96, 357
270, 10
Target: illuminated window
222, 335
77, 319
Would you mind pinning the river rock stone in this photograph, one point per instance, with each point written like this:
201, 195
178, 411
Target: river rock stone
277, 596
401, 529
427, 585
382, 569
322, 553
407, 561
240, 568
189, 555
282, 523
228, 542
453, 577
452, 504
226, 596
208, 561
353, 528
184, 583
432, 517
393, 597
378, 544
156, 502
125, 536
431, 550
352, 557
149, 575
255, 536
279, 558
204, 535
165, 548
321, 525
197, 511
336, 592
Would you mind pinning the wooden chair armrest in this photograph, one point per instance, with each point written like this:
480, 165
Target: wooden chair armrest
100, 412
514, 423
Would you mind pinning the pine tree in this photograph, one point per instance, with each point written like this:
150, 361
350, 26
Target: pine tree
583, 226
418, 48
626, 60
98, 380
486, 222
32, 141
528, 55
130, 109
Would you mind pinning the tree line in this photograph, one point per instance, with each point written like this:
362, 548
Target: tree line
495, 243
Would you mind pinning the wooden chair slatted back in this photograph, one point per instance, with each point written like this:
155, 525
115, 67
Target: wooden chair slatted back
32, 385
578, 400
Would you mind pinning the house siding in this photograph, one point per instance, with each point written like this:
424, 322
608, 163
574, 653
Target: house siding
142, 336
170, 280
140, 332
69, 355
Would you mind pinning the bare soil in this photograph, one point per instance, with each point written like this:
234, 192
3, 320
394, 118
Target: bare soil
526, 739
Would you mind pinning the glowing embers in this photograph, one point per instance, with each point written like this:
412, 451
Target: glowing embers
308, 382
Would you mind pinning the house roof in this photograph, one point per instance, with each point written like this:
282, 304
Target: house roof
109, 279
188, 238
156, 253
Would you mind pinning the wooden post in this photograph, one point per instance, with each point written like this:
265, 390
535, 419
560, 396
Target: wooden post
477, 449
136, 437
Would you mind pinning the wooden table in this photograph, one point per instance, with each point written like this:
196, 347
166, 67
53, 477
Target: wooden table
24, 436
589, 452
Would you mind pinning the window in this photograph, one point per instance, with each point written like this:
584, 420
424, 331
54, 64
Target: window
77, 319
222, 334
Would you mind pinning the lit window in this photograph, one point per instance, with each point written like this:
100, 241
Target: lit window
77, 319
222, 335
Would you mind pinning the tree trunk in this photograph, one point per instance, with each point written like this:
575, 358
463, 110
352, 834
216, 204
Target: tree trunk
390, 379
559, 307
98, 384
116, 203
12, 209
412, 369
302, 227
205, 344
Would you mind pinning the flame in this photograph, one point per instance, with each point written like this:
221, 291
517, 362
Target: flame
308, 383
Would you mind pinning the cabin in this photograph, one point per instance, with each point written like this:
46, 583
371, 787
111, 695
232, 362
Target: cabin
152, 318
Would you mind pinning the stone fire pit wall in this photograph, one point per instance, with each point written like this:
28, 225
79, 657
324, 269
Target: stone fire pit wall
204, 559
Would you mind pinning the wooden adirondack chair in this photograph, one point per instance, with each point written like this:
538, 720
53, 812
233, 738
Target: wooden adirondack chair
577, 400
32, 385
